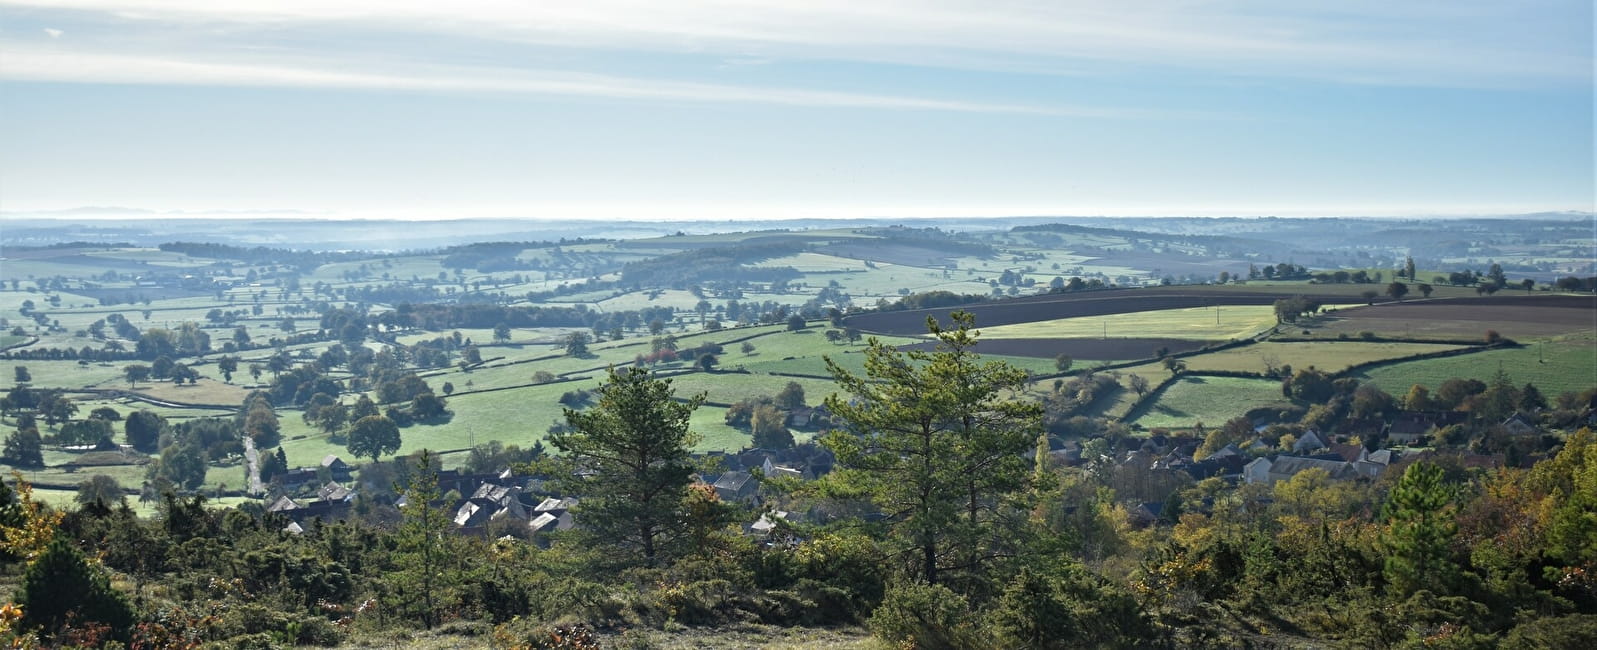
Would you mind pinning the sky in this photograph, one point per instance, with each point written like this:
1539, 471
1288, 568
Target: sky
728, 109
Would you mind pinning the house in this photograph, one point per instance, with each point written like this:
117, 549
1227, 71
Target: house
1519, 425
334, 492
336, 467
294, 478
1067, 454
1224, 467
1257, 445
809, 417
554, 504
1309, 443
766, 523
1409, 427
1257, 471
774, 470
1372, 463
283, 504
323, 510
472, 514
737, 487
1266, 471
1147, 513
1347, 452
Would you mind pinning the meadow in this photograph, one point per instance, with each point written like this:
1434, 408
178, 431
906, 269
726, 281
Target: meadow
1209, 400
1330, 356
1563, 364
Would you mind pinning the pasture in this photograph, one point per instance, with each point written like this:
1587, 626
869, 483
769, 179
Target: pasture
1555, 366
1209, 400
1330, 356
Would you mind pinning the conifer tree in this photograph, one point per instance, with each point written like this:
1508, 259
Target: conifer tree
634, 447
1420, 530
936, 441
61, 583
428, 577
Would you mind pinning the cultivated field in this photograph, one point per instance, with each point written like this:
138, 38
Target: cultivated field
1194, 323
1047, 307
1516, 317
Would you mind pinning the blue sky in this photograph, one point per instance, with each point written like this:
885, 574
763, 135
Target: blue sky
642, 109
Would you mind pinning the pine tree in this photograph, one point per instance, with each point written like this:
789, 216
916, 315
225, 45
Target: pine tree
425, 584
933, 439
1420, 530
61, 583
634, 446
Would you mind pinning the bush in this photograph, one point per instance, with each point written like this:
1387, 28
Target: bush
521, 635
1067, 608
61, 586
259, 641
1573, 631
317, 630
924, 616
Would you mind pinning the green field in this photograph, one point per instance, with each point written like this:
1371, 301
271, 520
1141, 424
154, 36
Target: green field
1326, 355
1200, 323
65, 374
1566, 364
1210, 400
1116, 405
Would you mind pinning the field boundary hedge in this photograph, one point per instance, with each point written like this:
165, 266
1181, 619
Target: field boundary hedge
1440, 354
25, 343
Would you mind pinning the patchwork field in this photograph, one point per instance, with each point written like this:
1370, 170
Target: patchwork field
500, 401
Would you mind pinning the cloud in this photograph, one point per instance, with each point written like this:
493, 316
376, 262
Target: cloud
30, 63
53, 33
1456, 42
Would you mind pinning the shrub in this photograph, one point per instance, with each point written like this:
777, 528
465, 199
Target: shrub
1067, 608
924, 616
1573, 631
61, 586
317, 630
516, 636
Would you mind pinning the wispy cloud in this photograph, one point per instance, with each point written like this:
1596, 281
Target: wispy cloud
30, 63
1457, 42
53, 33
